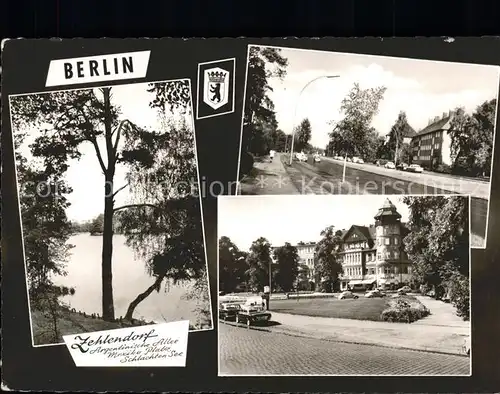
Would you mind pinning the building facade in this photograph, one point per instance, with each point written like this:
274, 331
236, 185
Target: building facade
373, 256
431, 146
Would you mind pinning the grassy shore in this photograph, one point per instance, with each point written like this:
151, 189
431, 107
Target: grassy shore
70, 323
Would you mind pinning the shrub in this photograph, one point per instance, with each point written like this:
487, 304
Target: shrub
404, 310
443, 168
458, 287
246, 164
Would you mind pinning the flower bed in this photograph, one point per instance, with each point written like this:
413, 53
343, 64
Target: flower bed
404, 309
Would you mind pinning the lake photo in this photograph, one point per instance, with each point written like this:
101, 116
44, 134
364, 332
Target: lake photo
110, 209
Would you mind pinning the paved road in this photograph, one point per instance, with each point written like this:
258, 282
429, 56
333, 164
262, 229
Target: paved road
325, 178
250, 352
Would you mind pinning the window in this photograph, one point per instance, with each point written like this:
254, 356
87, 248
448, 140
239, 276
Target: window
396, 255
387, 241
396, 241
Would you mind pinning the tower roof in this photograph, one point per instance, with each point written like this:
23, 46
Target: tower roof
388, 209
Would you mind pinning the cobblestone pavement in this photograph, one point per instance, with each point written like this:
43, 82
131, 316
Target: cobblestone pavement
250, 352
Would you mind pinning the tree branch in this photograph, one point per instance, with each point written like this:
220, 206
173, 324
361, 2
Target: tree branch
120, 189
134, 206
118, 133
98, 153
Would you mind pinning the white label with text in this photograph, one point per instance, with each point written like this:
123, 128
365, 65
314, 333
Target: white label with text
157, 345
118, 66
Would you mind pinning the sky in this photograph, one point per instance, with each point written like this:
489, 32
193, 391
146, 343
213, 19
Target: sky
85, 175
423, 89
296, 218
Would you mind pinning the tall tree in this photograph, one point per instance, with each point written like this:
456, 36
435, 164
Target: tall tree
87, 116
232, 265
263, 64
259, 260
438, 242
327, 264
287, 266
359, 107
302, 135
46, 231
472, 139
399, 130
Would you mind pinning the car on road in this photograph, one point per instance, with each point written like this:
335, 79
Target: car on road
228, 310
414, 168
301, 156
374, 294
317, 158
404, 290
347, 294
402, 166
252, 311
390, 165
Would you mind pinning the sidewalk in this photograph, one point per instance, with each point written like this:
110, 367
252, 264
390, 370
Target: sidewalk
267, 177
441, 332
476, 188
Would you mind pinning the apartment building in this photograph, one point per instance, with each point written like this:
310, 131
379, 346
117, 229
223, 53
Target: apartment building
373, 256
431, 146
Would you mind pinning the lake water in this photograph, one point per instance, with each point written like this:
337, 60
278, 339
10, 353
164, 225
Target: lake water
129, 280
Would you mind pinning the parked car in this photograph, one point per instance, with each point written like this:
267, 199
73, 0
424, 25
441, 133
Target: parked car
390, 165
404, 290
221, 293
374, 294
252, 311
302, 156
402, 166
355, 159
349, 159
338, 158
228, 310
347, 294
414, 168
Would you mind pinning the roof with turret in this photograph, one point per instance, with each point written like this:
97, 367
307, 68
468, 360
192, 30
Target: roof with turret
388, 209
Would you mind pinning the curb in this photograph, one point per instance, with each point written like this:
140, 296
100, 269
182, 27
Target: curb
353, 342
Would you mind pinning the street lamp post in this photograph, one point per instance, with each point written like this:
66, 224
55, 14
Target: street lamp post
297, 104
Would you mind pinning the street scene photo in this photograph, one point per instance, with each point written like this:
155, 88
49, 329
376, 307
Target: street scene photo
318, 122
344, 285
110, 239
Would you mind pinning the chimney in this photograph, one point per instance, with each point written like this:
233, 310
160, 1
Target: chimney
444, 115
436, 119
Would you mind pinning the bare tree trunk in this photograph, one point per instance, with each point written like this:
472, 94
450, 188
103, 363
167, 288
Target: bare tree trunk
108, 310
141, 297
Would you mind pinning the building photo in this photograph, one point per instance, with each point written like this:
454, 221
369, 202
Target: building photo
350, 285
344, 123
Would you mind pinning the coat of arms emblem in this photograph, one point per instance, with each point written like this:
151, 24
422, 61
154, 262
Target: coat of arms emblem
215, 89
